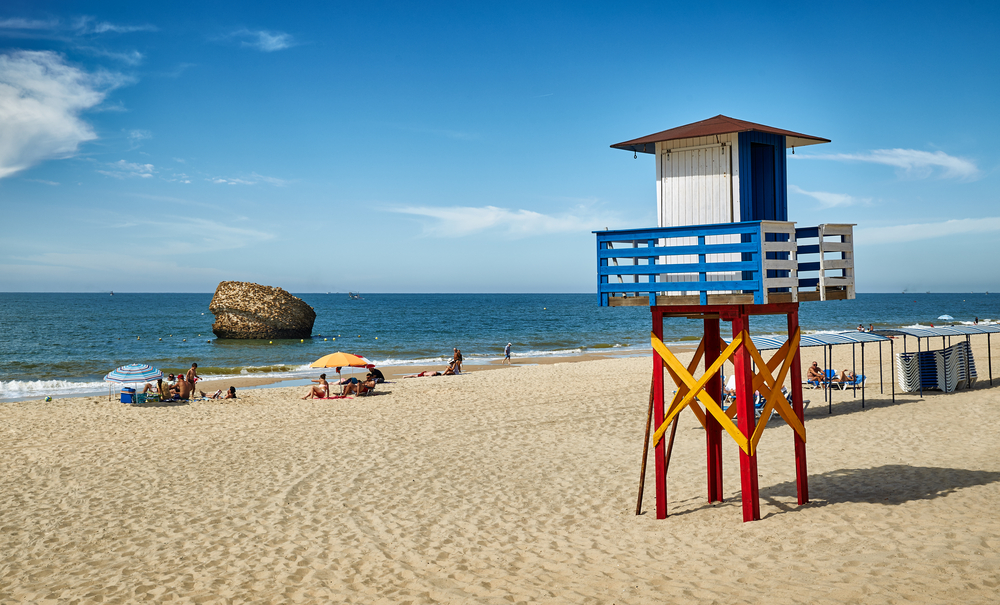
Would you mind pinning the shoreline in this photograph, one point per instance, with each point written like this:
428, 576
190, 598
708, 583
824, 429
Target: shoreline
211, 384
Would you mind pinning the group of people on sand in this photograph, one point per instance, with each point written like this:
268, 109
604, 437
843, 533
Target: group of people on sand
182, 387
816, 375
349, 386
454, 367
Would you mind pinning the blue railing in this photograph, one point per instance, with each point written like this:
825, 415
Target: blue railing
748, 262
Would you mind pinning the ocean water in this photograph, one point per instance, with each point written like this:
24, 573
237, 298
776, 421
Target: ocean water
63, 344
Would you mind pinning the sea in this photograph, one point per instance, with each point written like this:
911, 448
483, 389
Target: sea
63, 344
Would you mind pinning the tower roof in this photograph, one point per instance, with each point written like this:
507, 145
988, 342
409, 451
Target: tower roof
720, 124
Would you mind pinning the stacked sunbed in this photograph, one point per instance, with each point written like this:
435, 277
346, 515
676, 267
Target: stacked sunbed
946, 369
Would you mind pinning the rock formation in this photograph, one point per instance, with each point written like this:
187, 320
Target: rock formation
247, 310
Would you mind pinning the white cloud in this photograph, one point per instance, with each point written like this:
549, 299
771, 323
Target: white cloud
135, 137
129, 57
42, 181
89, 25
18, 23
912, 162
253, 179
459, 221
921, 231
122, 169
830, 200
41, 99
263, 40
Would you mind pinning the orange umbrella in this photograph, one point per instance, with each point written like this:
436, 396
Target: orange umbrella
340, 360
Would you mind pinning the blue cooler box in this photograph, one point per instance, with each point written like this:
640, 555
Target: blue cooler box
128, 395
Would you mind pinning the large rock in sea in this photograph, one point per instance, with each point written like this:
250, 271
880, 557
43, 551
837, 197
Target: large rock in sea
246, 310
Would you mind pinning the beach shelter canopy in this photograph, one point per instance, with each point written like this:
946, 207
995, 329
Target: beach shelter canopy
822, 339
134, 372
939, 331
341, 360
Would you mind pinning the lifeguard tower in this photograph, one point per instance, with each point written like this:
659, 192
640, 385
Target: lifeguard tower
724, 250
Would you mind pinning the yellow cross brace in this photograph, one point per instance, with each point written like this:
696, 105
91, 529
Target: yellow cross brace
697, 389
771, 388
688, 389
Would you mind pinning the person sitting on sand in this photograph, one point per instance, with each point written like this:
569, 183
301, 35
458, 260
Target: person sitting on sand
450, 370
359, 388
378, 376
730, 388
320, 390
183, 388
230, 394
457, 359
164, 387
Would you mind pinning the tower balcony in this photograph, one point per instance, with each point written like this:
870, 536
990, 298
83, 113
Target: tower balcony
756, 262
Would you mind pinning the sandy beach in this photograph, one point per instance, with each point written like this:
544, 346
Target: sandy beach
505, 486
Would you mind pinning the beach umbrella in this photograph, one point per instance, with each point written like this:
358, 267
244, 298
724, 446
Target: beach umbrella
946, 317
134, 372
341, 360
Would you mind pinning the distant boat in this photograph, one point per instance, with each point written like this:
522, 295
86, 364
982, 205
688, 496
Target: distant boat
112, 293
355, 296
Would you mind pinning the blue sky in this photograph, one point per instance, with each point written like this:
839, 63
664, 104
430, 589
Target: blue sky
430, 147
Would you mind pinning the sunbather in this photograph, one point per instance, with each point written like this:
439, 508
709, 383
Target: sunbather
814, 374
422, 374
321, 390
845, 376
359, 388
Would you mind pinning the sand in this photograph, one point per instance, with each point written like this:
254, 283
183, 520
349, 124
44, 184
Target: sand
505, 486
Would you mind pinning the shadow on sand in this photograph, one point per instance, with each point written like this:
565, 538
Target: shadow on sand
890, 484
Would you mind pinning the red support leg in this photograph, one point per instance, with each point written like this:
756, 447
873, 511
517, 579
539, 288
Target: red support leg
660, 451
744, 403
713, 430
801, 477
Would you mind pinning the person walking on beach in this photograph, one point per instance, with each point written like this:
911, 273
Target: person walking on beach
192, 375
506, 354
458, 360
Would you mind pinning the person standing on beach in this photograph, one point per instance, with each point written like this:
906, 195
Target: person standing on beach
458, 361
506, 354
192, 375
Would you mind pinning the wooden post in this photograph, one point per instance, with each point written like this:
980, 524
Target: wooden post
645, 448
745, 411
713, 430
659, 452
801, 475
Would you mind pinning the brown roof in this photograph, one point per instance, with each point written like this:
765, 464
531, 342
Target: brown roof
720, 124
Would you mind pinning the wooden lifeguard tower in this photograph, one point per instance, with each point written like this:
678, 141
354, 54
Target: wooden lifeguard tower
724, 249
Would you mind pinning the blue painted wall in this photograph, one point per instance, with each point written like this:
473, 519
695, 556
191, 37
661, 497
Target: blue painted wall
753, 184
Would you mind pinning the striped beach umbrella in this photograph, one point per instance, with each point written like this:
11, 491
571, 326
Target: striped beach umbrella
134, 372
